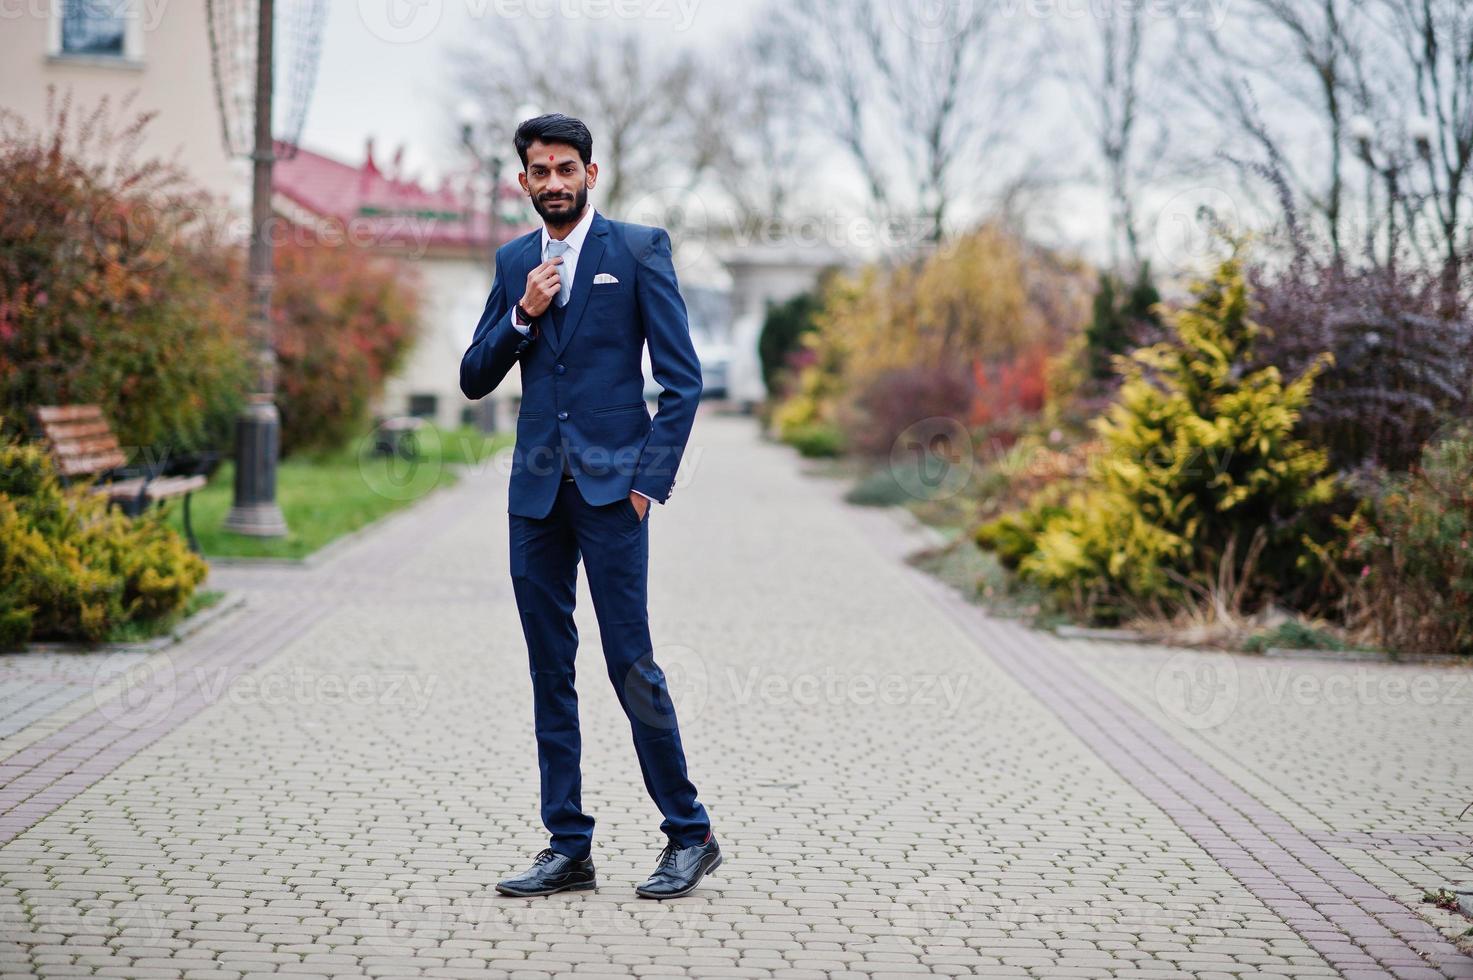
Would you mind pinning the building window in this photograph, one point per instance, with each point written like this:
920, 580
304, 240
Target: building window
100, 32
424, 406
94, 27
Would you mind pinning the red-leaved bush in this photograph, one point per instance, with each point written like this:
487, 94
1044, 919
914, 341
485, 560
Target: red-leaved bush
344, 320
896, 399
1009, 394
112, 289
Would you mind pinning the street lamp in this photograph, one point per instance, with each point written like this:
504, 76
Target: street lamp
254, 510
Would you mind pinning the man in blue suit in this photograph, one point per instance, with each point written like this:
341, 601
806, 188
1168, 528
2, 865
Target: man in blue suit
574, 304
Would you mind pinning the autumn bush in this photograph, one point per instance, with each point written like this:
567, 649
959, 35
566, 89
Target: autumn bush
1398, 325
71, 568
344, 321
1009, 393
113, 288
888, 401
1402, 354
117, 288
1410, 552
962, 333
1201, 492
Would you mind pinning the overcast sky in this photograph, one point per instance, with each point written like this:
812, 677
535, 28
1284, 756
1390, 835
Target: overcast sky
386, 73
385, 65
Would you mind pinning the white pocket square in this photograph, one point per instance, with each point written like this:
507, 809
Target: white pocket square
602, 278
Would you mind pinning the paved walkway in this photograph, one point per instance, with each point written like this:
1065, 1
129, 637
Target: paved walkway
329, 780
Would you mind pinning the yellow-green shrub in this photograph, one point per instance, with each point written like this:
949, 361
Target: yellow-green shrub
71, 568
1200, 481
820, 382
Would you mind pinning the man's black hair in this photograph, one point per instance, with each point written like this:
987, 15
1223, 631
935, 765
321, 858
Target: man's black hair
554, 128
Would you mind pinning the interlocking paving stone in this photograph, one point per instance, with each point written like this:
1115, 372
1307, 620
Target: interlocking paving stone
1371, 772
339, 785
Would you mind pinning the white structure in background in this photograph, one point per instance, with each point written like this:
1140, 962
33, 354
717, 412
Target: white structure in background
762, 275
159, 52
708, 310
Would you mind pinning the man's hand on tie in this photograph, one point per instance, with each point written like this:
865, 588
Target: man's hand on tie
543, 284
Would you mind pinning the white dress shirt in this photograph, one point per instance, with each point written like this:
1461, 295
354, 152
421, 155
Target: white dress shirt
566, 272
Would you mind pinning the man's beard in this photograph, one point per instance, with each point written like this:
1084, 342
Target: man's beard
580, 200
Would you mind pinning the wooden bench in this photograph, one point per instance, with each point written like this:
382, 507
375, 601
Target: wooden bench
84, 447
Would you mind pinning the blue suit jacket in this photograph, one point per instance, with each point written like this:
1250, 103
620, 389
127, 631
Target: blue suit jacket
583, 389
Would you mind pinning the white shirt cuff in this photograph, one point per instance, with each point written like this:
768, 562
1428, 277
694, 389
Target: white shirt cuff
645, 496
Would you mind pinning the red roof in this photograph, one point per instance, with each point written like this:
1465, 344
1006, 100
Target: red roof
387, 209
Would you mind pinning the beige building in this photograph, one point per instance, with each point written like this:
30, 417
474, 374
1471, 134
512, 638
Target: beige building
157, 51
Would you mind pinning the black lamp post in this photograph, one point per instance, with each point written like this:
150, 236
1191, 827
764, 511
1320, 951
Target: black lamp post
258, 427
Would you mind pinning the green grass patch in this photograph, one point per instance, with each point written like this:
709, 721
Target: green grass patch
1293, 634
140, 631
878, 488
326, 496
980, 577
816, 440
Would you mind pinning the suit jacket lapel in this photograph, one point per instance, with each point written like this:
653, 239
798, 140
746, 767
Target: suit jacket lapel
589, 257
526, 260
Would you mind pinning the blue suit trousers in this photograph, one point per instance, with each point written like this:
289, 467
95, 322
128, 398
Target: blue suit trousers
612, 542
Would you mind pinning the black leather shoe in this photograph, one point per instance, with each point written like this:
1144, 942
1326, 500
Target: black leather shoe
680, 870
550, 872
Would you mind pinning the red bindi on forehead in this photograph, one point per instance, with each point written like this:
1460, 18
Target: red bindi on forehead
554, 159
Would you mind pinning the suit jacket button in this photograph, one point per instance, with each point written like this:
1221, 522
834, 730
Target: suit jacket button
561, 369
562, 416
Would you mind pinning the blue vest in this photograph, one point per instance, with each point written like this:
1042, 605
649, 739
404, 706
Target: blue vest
557, 314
